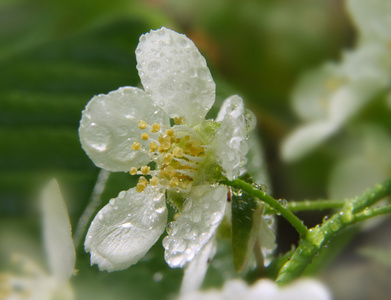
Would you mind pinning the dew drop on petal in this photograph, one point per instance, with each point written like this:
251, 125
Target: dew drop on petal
186, 205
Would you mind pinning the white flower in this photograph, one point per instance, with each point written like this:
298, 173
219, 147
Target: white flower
372, 19
129, 128
29, 280
329, 96
264, 289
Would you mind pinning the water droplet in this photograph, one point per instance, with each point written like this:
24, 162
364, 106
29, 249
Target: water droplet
157, 277
283, 202
154, 66
215, 218
250, 119
169, 227
325, 218
256, 185
269, 220
237, 192
96, 137
186, 205
121, 195
100, 216
112, 201
367, 211
126, 225
160, 207
264, 188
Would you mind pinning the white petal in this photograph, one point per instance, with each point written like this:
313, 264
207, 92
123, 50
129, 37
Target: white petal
125, 229
195, 271
109, 127
304, 289
57, 233
305, 139
267, 239
373, 19
175, 74
201, 214
230, 144
310, 98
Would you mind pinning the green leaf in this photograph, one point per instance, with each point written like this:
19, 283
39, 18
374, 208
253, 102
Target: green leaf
246, 224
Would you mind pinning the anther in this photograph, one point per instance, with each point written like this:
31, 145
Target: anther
144, 136
170, 132
160, 139
155, 127
174, 182
142, 124
178, 120
135, 146
145, 170
178, 152
133, 171
153, 146
154, 181
140, 187
168, 158
166, 143
143, 180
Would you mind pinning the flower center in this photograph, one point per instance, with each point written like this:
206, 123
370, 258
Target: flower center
177, 152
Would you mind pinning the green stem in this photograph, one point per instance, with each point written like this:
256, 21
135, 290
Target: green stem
306, 205
318, 236
369, 213
261, 195
315, 205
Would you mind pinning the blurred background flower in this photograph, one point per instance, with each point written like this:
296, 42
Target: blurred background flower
56, 55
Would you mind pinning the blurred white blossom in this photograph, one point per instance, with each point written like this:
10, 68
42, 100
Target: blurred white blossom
264, 289
28, 280
327, 97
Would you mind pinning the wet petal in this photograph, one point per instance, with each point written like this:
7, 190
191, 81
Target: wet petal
109, 127
230, 144
201, 214
195, 271
57, 233
126, 228
175, 74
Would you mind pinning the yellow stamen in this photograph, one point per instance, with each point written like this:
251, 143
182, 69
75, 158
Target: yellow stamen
135, 146
170, 132
144, 136
145, 170
143, 180
155, 127
142, 124
178, 120
178, 152
154, 181
133, 171
168, 158
140, 187
166, 143
153, 146
168, 171
160, 139
174, 182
